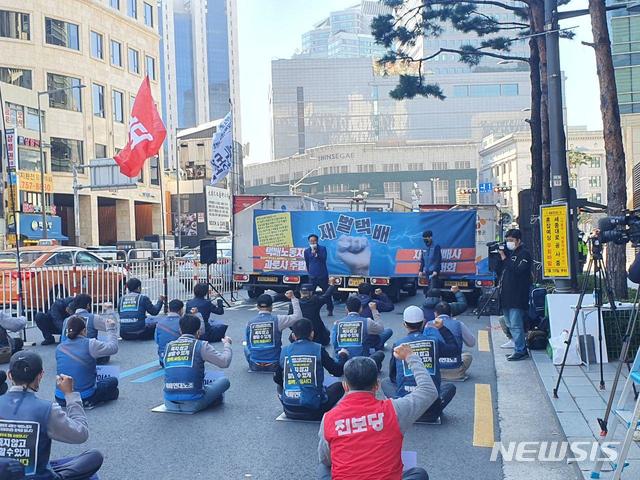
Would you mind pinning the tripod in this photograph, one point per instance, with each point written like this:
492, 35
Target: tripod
213, 287
494, 292
600, 279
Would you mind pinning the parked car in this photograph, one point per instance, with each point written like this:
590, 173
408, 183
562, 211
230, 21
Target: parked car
189, 265
52, 272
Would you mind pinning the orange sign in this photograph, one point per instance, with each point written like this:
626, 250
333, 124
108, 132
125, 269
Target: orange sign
30, 181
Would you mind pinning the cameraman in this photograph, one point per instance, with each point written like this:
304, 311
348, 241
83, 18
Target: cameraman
514, 292
634, 270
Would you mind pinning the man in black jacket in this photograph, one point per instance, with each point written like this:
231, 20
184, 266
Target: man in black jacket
514, 292
311, 304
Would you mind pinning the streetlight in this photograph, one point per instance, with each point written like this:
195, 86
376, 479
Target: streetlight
42, 190
433, 188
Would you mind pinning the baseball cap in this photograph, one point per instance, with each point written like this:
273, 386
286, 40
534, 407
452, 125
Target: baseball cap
306, 287
265, 300
413, 315
25, 366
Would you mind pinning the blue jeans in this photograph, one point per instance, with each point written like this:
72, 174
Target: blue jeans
263, 367
212, 394
377, 341
514, 318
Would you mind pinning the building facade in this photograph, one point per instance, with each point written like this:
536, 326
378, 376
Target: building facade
199, 65
329, 101
92, 57
416, 173
506, 162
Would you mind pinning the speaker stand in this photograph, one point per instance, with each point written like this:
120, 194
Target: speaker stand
212, 286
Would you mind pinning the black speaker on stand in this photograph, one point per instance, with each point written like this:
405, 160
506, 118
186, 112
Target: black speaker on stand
209, 256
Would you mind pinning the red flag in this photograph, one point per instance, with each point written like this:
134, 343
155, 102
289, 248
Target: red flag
146, 133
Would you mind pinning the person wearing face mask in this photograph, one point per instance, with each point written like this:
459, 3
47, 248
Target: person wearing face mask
514, 292
315, 258
430, 261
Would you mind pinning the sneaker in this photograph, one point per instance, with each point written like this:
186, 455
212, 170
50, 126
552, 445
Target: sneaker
636, 436
48, 341
514, 357
509, 344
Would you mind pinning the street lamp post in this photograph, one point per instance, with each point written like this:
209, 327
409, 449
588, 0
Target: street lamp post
42, 169
433, 181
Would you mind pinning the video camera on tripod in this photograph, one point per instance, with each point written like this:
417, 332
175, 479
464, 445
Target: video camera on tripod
620, 229
494, 249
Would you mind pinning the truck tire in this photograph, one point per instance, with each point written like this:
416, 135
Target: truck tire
413, 290
393, 292
255, 292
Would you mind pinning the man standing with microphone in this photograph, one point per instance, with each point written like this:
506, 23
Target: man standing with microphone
430, 262
315, 258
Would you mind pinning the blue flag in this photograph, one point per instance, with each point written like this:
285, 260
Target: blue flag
222, 150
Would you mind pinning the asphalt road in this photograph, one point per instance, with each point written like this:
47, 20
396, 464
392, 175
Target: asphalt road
242, 437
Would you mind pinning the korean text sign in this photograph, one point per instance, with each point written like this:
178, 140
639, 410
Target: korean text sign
555, 241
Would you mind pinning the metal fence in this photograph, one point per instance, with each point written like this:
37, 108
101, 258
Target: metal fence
104, 280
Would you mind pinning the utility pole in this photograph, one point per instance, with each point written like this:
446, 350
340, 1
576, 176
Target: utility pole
560, 191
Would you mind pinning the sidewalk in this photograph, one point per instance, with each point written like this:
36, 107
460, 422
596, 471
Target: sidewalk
581, 403
525, 414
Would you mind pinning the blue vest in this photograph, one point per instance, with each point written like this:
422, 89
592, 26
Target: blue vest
167, 330
455, 328
29, 414
74, 359
183, 369
264, 338
303, 375
132, 315
92, 332
425, 346
351, 333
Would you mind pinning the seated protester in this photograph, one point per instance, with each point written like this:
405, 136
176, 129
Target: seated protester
429, 346
311, 303
50, 422
50, 323
133, 309
434, 296
311, 400
168, 327
264, 334
361, 437
11, 324
184, 358
366, 296
354, 331
454, 368
214, 330
76, 356
81, 306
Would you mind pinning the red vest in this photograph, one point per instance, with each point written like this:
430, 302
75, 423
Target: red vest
364, 438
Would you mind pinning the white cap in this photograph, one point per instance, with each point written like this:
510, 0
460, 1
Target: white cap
413, 315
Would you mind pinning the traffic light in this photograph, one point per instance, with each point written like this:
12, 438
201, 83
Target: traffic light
502, 189
467, 190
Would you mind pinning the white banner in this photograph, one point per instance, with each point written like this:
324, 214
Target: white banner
106, 371
218, 209
222, 150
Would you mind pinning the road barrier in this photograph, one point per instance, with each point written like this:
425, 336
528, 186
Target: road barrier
65, 275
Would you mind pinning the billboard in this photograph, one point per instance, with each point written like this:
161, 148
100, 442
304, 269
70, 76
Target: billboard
218, 209
385, 244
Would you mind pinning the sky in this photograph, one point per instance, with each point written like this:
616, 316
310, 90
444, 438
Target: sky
270, 29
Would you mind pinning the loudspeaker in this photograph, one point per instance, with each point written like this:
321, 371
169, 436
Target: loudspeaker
208, 251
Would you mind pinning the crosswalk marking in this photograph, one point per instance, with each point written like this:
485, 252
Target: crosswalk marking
483, 341
149, 377
141, 368
483, 435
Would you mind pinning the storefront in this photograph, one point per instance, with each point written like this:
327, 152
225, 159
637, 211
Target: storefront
31, 228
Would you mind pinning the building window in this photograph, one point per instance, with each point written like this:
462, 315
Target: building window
344, 169
391, 167
132, 8
364, 186
595, 162
64, 153
441, 188
509, 90
415, 167
392, 189
154, 165
28, 159
16, 76
462, 165
595, 197
134, 61
15, 25
484, 90
118, 106
116, 53
98, 100
100, 150
67, 95
460, 90
595, 181
63, 34
466, 183
148, 15
366, 168
115, 4
440, 166
97, 49
31, 119
151, 67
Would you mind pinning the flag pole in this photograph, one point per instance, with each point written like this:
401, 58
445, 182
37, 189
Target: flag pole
164, 234
232, 192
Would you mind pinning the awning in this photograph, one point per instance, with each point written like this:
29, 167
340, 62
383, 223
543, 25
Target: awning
31, 226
